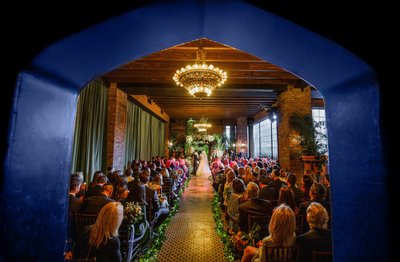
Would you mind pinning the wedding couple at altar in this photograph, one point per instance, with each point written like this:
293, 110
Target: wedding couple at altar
201, 166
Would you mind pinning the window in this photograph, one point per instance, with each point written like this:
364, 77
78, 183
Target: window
228, 136
318, 115
265, 137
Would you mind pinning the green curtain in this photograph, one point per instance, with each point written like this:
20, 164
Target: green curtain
89, 150
144, 135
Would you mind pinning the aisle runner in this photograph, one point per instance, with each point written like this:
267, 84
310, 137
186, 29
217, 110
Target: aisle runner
191, 234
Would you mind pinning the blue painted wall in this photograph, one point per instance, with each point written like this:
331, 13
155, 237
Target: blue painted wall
34, 202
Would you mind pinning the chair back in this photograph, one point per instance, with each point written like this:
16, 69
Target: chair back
262, 221
129, 246
321, 256
92, 259
281, 254
83, 220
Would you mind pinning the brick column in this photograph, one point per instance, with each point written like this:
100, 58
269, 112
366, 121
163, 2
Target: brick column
116, 127
241, 135
290, 101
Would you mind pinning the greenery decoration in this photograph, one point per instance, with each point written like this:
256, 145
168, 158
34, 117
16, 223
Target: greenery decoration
309, 138
229, 250
152, 252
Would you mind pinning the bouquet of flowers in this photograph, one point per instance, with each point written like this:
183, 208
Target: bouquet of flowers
239, 241
133, 213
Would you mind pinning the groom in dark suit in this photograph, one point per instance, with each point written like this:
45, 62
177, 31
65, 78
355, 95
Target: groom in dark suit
195, 162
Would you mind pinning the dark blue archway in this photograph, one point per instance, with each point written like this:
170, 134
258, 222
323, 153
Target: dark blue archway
34, 198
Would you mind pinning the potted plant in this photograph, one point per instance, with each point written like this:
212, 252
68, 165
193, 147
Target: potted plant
309, 140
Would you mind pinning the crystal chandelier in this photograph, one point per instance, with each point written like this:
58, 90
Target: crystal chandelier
202, 125
200, 79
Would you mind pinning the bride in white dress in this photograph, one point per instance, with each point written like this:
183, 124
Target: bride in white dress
204, 168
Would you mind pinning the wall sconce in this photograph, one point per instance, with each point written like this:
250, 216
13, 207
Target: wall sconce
242, 144
234, 145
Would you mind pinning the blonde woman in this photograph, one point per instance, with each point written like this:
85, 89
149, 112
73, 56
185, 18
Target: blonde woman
282, 228
101, 239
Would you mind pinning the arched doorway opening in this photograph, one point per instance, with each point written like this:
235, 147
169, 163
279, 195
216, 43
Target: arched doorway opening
45, 104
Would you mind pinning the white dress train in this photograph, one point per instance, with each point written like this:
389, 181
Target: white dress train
204, 168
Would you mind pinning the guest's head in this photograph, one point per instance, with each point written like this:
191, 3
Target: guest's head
96, 175
282, 226
291, 180
144, 177
317, 216
107, 189
128, 172
252, 190
75, 185
286, 196
164, 172
107, 224
317, 191
238, 186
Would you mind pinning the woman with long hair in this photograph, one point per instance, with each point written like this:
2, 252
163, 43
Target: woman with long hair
101, 239
281, 228
286, 196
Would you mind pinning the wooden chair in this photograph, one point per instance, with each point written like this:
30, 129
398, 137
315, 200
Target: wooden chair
299, 224
321, 256
262, 221
281, 254
130, 246
83, 220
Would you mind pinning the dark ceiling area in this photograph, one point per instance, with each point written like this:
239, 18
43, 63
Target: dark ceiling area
251, 83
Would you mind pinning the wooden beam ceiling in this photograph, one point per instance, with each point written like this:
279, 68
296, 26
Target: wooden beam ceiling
251, 81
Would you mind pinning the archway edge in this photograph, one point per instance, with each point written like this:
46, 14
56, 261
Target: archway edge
59, 72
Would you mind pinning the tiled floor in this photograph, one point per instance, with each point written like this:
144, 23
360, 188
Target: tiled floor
191, 234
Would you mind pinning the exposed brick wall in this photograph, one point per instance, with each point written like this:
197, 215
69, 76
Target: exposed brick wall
290, 101
116, 126
241, 135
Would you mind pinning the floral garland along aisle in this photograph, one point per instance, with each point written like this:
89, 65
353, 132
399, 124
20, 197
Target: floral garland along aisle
152, 252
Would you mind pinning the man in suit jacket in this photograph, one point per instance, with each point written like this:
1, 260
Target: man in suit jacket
298, 194
195, 162
93, 204
253, 206
318, 238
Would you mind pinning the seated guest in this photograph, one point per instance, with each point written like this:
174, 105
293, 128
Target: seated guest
157, 183
286, 196
318, 238
317, 194
75, 204
137, 191
276, 183
101, 239
157, 213
74, 188
128, 173
233, 204
306, 186
281, 227
298, 193
93, 204
120, 188
267, 192
96, 187
254, 206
